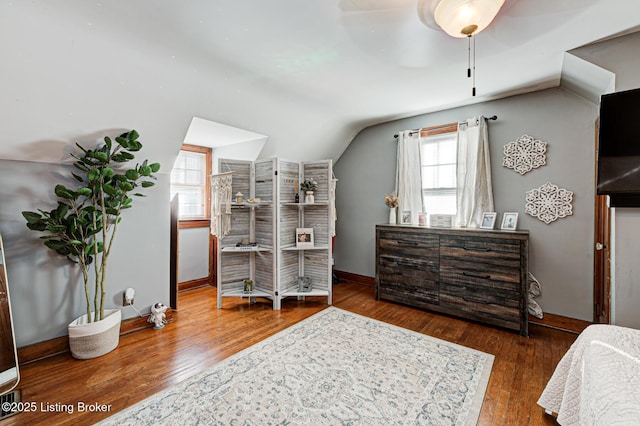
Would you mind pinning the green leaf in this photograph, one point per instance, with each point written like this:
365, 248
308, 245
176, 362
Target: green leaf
155, 167
101, 156
133, 135
137, 194
81, 166
78, 178
84, 191
63, 192
145, 170
61, 211
107, 142
125, 186
54, 244
127, 155
32, 216
112, 211
147, 184
37, 226
107, 172
94, 174
122, 141
108, 189
132, 174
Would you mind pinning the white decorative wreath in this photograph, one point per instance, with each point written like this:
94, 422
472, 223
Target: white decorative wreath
549, 203
525, 154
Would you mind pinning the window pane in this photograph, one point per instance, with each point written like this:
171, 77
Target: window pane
447, 152
440, 203
447, 176
193, 177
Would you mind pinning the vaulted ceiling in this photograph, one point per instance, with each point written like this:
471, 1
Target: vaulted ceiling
307, 74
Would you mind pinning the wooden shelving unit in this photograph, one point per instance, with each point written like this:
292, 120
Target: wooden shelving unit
276, 263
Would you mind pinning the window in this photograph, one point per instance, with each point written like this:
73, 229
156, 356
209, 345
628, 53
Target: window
438, 150
190, 179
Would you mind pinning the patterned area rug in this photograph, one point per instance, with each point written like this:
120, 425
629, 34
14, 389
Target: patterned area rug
332, 368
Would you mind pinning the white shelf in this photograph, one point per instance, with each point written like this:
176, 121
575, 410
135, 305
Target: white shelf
300, 205
233, 249
240, 293
251, 205
313, 292
294, 248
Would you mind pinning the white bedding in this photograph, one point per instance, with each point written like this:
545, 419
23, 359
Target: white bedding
597, 382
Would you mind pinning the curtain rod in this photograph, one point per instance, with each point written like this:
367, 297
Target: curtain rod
493, 117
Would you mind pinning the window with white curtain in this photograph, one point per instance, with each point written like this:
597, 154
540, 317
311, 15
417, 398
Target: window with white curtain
189, 180
438, 154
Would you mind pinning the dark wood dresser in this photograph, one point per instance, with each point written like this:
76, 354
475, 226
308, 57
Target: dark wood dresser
476, 274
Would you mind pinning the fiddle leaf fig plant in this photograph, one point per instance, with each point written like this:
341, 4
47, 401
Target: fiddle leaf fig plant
83, 225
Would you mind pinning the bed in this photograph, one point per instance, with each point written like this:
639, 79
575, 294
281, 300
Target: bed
597, 382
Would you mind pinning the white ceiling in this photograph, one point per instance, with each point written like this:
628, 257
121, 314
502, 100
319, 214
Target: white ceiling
307, 74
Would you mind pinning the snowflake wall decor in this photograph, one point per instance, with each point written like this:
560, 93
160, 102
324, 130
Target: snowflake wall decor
549, 203
525, 154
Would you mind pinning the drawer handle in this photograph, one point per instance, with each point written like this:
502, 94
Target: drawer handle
406, 264
407, 243
471, 299
471, 274
486, 249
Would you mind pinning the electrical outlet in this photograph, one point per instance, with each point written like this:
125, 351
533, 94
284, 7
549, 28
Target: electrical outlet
127, 297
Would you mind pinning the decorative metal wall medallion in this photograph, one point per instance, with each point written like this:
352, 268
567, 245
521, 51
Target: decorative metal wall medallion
549, 203
525, 154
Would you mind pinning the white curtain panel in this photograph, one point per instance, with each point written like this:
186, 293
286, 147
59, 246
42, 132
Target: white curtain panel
474, 189
409, 175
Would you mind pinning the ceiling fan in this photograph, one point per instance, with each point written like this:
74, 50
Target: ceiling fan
457, 18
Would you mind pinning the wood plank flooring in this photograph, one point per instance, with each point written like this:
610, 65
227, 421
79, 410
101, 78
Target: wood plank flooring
149, 361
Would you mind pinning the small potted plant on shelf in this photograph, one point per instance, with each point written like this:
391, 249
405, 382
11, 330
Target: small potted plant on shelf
392, 201
308, 186
82, 228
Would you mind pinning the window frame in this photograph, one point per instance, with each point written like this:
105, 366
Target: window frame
200, 221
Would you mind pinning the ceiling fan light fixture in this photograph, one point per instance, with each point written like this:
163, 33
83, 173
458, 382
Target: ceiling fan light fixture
464, 18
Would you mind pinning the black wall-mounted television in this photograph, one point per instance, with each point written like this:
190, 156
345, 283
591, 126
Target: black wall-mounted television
618, 172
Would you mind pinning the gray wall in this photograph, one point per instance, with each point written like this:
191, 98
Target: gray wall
561, 254
46, 290
621, 57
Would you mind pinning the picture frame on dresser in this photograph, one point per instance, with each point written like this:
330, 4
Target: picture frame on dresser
304, 237
509, 221
488, 220
405, 217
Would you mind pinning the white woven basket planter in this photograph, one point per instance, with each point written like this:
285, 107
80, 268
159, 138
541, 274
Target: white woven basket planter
93, 339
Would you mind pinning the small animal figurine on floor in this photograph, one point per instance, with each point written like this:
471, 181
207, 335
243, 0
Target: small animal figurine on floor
157, 315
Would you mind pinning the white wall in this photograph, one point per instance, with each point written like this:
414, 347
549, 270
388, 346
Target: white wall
621, 57
561, 253
193, 254
46, 289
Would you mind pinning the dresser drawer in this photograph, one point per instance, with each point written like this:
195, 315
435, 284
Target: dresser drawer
478, 275
408, 244
422, 293
491, 251
497, 307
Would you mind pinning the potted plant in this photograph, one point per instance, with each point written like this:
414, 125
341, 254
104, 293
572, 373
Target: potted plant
308, 186
392, 201
82, 228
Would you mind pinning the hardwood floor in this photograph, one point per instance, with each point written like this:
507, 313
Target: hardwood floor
149, 361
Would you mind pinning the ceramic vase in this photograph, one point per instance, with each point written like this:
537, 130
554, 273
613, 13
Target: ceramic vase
308, 197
